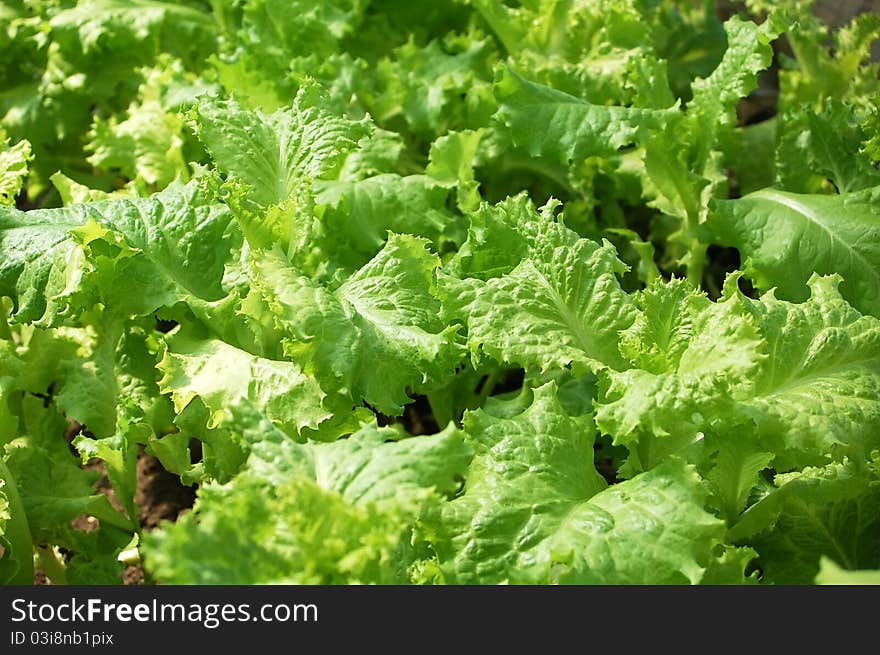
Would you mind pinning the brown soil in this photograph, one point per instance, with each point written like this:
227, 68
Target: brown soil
133, 575
160, 494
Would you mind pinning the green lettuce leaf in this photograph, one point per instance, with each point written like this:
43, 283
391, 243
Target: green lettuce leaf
452, 164
147, 145
546, 122
429, 90
276, 33
272, 153
474, 292
784, 238
78, 61
357, 215
799, 378
340, 513
826, 66
814, 513
532, 485
713, 107
815, 147
39, 259
133, 256
276, 156
14, 162
376, 335
818, 391
221, 376
561, 305
55, 490
16, 560
607, 52
689, 355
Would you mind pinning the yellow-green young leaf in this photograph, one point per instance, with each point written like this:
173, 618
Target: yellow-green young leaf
836, 67
729, 567
14, 162
74, 193
497, 239
831, 573
351, 467
683, 165
275, 157
689, 354
147, 145
663, 328
748, 53
735, 472
222, 375
294, 533
452, 163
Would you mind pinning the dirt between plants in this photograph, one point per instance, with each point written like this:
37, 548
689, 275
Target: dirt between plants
160, 496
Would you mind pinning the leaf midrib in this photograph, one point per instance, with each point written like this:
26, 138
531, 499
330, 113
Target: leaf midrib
833, 371
812, 516
813, 218
570, 320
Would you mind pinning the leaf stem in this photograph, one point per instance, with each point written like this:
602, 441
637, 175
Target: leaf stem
5, 332
442, 413
513, 161
18, 532
696, 263
499, 22
53, 567
486, 390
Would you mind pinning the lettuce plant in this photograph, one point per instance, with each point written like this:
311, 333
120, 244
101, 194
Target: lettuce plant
479, 292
